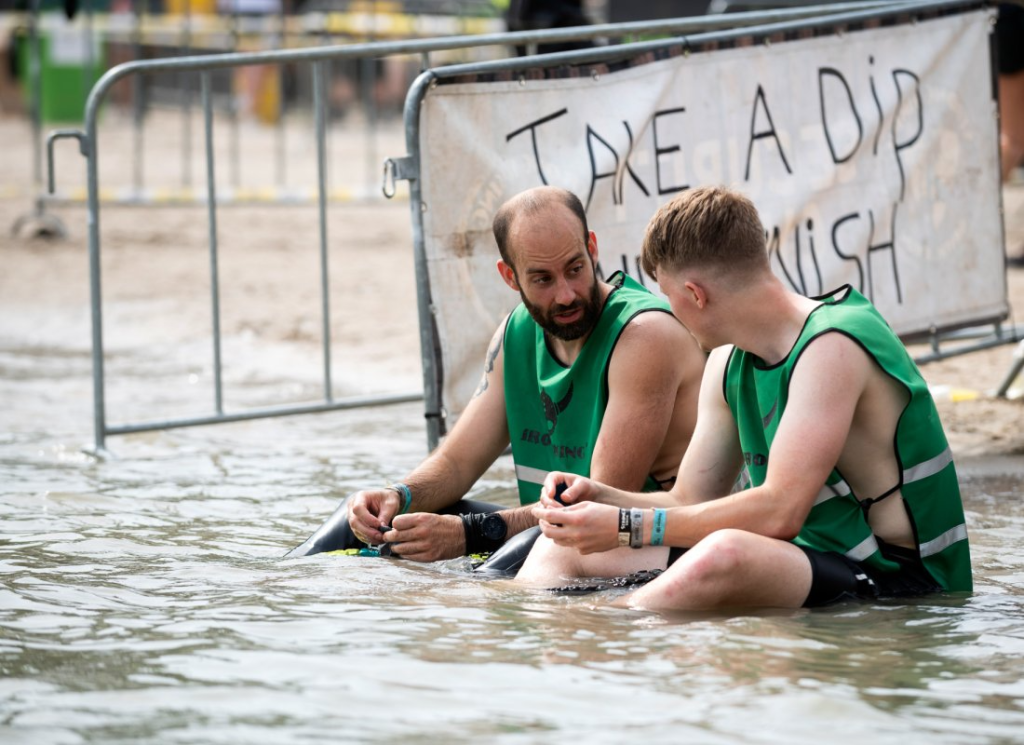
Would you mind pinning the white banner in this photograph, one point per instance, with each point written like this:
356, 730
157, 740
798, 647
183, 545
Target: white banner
872, 158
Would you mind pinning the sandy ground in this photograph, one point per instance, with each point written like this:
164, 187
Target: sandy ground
157, 290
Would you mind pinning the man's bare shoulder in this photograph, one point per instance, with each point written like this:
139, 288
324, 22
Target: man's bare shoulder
654, 327
835, 348
835, 366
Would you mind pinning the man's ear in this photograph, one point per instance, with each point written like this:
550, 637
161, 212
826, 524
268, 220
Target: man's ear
592, 246
697, 294
508, 274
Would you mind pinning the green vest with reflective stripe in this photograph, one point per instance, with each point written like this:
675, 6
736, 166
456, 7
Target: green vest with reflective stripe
555, 412
757, 396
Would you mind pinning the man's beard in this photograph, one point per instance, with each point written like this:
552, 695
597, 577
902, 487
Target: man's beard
572, 331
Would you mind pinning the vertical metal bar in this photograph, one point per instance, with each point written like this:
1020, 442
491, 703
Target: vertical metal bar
319, 83
138, 104
369, 68
236, 174
35, 74
424, 304
211, 204
1016, 365
185, 83
346, 63
89, 69
282, 43
91, 151
366, 84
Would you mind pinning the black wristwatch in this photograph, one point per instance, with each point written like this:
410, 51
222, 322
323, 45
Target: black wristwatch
494, 528
484, 532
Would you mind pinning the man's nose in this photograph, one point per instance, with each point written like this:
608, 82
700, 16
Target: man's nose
564, 295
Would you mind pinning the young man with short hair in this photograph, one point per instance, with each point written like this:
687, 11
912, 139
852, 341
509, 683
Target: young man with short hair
852, 490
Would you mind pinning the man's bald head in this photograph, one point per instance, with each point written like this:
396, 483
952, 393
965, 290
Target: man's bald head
528, 204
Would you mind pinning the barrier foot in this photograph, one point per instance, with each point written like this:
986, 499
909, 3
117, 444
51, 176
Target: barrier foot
39, 225
99, 454
1016, 365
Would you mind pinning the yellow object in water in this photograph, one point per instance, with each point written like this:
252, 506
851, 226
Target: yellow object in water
949, 393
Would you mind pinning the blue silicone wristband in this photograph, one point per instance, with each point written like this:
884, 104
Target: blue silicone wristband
405, 494
658, 528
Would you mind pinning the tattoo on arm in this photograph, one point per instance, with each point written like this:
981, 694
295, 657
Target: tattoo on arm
492, 354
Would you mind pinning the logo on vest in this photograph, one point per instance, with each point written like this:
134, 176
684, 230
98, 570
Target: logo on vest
755, 459
552, 409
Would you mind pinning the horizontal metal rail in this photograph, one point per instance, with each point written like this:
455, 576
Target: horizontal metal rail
265, 413
824, 16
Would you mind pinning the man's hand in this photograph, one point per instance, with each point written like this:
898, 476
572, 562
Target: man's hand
370, 510
579, 489
587, 527
424, 536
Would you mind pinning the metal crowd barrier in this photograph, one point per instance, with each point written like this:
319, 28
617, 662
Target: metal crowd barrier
195, 33
317, 60
824, 17
192, 33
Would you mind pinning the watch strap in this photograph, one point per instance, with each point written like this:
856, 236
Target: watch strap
476, 541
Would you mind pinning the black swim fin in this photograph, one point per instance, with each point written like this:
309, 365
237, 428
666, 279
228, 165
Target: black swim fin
334, 535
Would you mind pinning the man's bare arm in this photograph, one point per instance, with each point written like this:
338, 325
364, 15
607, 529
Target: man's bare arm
479, 436
654, 360
476, 440
824, 391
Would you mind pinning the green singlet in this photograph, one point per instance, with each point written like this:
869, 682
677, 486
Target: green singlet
757, 395
555, 412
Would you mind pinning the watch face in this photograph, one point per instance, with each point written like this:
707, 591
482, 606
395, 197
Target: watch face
494, 528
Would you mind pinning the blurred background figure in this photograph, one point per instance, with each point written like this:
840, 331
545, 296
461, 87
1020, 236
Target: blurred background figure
1010, 41
534, 15
257, 86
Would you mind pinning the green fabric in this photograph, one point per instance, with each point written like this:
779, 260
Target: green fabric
555, 412
757, 395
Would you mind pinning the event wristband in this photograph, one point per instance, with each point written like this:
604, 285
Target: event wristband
636, 527
658, 528
405, 494
624, 523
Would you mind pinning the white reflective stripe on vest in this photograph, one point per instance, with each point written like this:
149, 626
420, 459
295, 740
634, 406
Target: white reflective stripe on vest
944, 541
863, 550
531, 475
929, 468
742, 481
831, 491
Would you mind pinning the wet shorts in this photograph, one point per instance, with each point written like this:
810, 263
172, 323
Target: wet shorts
835, 577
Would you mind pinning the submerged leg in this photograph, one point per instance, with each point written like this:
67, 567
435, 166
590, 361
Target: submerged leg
730, 569
507, 560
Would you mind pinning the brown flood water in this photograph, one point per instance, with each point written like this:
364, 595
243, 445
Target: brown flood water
144, 599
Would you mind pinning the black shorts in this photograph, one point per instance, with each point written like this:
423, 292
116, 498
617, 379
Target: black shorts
1010, 38
835, 577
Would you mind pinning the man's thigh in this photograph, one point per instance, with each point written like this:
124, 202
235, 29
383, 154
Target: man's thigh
730, 569
549, 564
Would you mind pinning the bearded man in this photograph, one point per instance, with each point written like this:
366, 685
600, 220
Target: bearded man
591, 377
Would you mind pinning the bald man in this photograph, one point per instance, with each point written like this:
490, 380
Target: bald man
587, 376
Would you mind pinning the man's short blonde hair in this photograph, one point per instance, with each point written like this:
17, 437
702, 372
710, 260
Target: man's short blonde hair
711, 228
